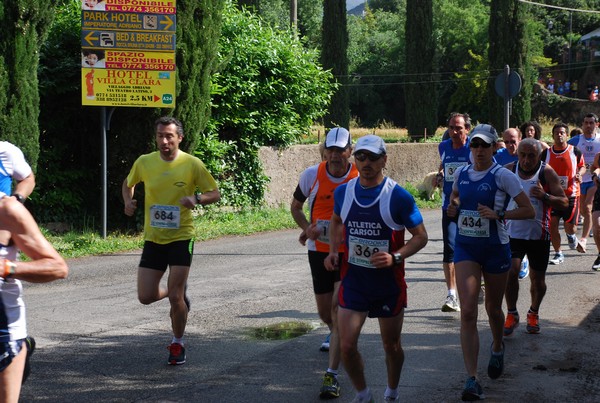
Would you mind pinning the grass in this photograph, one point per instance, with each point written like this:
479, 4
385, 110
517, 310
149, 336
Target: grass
211, 225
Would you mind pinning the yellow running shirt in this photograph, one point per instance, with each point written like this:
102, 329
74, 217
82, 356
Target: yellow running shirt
165, 183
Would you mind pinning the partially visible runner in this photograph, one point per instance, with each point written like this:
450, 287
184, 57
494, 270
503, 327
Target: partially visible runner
454, 153
317, 184
532, 129
504, 156
45, 265
14, 167
589, 144
174, 183
531, 237
568, 163
479, 199
373, 212
596, 210
512, 137
16, 179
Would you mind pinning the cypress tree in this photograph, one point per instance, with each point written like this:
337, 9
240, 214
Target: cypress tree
334, 57
420, 90
198, 31
508, 46
24, 26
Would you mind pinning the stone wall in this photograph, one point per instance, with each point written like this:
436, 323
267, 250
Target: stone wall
407, 162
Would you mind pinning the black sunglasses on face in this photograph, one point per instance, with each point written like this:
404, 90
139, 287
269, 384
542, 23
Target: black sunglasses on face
482, 144
363, 156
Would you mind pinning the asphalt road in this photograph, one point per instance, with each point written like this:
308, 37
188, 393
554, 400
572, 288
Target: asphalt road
97, 343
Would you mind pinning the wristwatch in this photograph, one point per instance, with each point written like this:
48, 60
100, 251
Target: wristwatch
501, 214
198, 198
397, 258
19, 198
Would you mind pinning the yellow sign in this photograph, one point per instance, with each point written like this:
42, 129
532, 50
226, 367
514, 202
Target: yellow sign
128, 53
142, 6
95, 20
111, 87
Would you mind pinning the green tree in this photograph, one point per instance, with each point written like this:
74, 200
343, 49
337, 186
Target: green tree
198, 33
268, 91
376, 65
420, 92
508, 46
334, 57
461, 29
24, 26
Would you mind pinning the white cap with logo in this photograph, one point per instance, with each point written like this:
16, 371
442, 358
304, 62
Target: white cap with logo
338, 137
371, 143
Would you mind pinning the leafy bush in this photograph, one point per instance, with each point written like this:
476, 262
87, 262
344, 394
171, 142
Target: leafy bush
268, 90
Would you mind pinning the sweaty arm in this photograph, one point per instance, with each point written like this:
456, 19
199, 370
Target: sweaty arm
336, 236
296, 209
25, 186
416, 243
523, 211
128, 200
46, 264
555, 197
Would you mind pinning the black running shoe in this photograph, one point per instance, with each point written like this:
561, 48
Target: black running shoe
473, 390
176, 354
496, 364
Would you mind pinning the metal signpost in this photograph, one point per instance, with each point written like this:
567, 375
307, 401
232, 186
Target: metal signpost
127, 59
507, 85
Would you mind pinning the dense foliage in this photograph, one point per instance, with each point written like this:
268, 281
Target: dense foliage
24, 26
268, 90
376, 66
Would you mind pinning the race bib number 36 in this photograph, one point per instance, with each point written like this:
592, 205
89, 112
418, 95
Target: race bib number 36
164, 216
361, 250
470, 223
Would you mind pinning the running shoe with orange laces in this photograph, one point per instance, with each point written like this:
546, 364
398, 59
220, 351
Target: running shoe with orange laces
533, 323
511, 323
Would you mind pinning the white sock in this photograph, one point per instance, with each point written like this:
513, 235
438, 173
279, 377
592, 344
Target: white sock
364, 394
452, 292
393, 393
177, 340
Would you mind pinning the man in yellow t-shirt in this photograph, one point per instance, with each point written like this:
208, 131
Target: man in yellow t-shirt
174, 183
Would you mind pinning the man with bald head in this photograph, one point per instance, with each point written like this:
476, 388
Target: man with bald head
532, 237
511, 137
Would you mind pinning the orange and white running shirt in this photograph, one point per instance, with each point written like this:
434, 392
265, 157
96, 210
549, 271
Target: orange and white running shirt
317, 185
589, 148
566, 163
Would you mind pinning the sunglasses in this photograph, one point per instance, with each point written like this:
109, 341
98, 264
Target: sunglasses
510, 142
363, 156
482, 144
